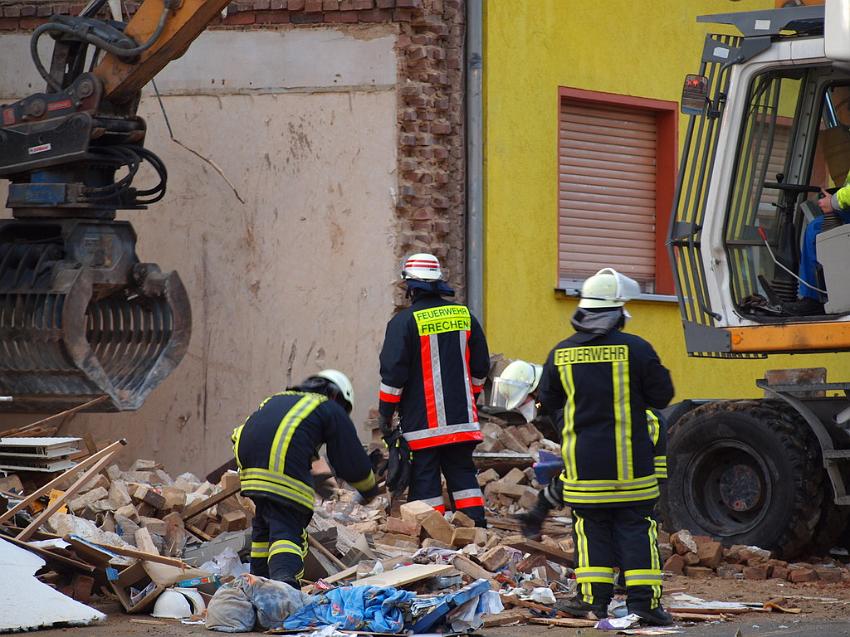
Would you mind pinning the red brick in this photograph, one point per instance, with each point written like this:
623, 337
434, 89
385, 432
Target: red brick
413, 4
28, 10
779, 572
675, 564
375, 15
277, 5
28, 24
797, 575
386, 4
403, 15
441, 128
330, 5
699, 572
12, 11
306, 18
240, 19
44, 10
295, 5
341, 17
9, 24
363, 4
272, 17
828, 574
312, 6
710, 553
262, 5
761, 571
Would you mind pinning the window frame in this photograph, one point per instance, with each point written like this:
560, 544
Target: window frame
666, 156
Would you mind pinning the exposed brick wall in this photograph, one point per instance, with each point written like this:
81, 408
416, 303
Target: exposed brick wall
431, 152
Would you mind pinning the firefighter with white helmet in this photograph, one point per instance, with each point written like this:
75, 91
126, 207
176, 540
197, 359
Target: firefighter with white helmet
275, 449
603, 381
434, 362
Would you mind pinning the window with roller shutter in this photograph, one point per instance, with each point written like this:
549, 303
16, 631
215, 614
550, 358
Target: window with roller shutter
616, 174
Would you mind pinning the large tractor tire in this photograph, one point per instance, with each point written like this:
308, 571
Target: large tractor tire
745, 472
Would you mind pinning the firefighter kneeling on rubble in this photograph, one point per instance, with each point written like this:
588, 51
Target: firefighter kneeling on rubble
275, 449
433, 365
605, 380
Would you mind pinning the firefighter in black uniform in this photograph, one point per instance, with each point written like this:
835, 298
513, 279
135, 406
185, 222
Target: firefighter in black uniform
433, 365
275, 449
605, 380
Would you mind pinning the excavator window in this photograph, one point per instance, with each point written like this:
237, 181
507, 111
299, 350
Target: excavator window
793, 138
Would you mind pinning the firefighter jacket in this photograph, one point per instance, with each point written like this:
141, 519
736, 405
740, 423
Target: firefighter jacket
609, 445
276, 446
433, 365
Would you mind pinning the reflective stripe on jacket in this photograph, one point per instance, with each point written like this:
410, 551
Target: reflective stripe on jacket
276, 446
433, 365
604, 387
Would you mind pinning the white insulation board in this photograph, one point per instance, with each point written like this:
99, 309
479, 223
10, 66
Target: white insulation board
27, 604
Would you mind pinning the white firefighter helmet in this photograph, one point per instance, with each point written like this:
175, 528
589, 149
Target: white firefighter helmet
514, 384
176, 603
608, 288
346, 389
422, 267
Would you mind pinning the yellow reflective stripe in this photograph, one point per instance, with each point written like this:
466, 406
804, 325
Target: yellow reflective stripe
253, 481
609, 485
288, 424
366, 483
254, 473
637, 495
622, 419
595, 574
654, 426
285, 546
234, 437
583, 557
656, 561
259, 549
568, 436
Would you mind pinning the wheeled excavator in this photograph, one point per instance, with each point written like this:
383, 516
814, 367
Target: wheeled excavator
768, 129
80, 316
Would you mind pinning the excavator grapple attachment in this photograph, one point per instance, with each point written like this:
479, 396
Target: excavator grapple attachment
80, 317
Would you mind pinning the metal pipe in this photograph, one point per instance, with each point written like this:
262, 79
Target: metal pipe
474, 160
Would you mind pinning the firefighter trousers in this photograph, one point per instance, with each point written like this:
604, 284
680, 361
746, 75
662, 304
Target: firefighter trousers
279, 540
455, 462
624, 537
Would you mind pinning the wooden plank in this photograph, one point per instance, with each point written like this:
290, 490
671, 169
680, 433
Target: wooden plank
564, 622
506, 617
512, 600
324, 551
142, 555
352, 570
34, 425
198, 533
549, 527
406, 575
556, 555
697, 617
200, 507
44, 490
71, 491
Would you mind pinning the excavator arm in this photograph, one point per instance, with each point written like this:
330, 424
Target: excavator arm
80, 315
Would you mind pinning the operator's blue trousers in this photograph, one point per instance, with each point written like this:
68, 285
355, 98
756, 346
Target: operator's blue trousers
279, 540
809, 257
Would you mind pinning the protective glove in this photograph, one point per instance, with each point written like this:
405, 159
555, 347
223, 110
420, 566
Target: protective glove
385, 423
398, 465
531, 522
324, 484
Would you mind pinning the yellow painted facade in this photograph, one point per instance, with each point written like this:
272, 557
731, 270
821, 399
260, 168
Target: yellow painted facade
640, 48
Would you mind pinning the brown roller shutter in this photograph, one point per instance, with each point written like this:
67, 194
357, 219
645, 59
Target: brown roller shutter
606, 190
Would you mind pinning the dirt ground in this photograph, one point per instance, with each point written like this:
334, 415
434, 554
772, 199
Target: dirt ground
825, 611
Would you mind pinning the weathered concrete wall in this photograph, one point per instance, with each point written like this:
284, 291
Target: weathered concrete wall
298, 278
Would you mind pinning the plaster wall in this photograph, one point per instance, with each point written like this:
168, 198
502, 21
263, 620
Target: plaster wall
300, 277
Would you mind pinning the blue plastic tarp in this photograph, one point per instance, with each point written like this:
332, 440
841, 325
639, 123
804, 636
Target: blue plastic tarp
354, 608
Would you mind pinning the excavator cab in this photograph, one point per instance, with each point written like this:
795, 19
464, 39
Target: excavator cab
759, 267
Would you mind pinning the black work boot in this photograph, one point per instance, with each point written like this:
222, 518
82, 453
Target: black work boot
654, 617
577, 607
806, 306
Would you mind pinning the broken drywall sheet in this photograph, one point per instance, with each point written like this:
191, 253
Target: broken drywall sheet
27, 604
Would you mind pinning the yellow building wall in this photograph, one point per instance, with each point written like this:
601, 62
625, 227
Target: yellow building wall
640, 48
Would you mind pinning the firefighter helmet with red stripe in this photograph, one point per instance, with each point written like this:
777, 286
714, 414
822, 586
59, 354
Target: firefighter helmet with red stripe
422, 267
